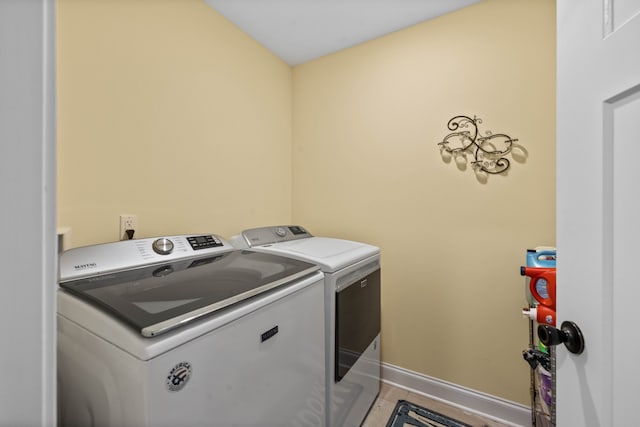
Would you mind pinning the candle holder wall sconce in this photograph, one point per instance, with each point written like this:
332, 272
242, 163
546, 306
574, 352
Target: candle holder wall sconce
489, 151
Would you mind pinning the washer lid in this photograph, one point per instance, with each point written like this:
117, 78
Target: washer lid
329, 253
158, 298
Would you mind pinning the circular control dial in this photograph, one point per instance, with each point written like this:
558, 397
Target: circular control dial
162, 246
281, 232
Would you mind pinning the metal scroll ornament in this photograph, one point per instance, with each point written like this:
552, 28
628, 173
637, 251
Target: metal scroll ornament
489, 151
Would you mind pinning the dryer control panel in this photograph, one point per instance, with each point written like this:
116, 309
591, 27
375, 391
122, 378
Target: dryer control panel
269, 235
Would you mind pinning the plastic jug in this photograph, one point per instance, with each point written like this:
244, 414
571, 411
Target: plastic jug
542, 285
540, 257
541, 314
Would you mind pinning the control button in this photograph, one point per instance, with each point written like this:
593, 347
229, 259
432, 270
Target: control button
162, 246
280, 231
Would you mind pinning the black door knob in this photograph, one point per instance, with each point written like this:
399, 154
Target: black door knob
569, 334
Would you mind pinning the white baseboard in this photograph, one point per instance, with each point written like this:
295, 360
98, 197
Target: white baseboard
495, 408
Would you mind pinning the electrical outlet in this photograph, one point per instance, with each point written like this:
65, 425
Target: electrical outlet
128, 222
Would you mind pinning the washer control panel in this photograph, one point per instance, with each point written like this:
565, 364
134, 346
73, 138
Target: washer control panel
108, 257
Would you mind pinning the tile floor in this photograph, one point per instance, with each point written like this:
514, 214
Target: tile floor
389, 396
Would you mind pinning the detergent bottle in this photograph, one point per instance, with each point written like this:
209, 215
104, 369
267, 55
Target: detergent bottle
542, 285
540, 257
541, 314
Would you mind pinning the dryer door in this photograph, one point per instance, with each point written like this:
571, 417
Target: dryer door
357, 321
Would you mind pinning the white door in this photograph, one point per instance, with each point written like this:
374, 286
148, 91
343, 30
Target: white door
27, 214
598, 210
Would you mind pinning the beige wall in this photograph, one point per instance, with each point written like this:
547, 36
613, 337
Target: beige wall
167, 111
366, 167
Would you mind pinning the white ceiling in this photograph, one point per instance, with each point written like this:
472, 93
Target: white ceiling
300, 30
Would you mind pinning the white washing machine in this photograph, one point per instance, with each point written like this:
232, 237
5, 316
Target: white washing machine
352, 312
188, 331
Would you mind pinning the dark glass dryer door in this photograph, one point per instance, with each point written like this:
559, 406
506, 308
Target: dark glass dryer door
158, 298
357, 321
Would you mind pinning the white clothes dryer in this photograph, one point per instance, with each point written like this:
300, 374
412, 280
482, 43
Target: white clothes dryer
352, 312
188, 331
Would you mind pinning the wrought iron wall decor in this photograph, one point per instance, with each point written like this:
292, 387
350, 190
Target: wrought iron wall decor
489, 151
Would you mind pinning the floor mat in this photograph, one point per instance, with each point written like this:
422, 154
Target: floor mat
408, 414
